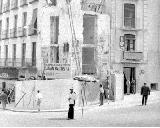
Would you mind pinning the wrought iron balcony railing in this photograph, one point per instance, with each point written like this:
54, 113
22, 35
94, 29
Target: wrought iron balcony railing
132, 55
23, 3
21, 32
93, 6
16, 62
13, 33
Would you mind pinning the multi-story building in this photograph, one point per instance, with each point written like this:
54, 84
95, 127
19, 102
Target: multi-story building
135, 41
35, 32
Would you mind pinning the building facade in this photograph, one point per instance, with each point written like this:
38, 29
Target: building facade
39, 32
135, 42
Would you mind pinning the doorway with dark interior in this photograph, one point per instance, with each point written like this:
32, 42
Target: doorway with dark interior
129, 80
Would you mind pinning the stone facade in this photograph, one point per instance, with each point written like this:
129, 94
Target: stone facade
146, 33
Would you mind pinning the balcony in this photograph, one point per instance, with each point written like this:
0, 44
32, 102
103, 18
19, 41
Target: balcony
23, 3
21, 32
13, 33
132, 56
16, 62
32, 30
5, 34
32, 1
14, 4
6, 8
93, 6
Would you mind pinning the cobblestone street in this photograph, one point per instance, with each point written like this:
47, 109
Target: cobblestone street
98, 116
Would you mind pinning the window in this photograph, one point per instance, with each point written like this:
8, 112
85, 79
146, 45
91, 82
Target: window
88, 61
129, 42
14, 55
15, 25
1, 5
89, 26
34, 54
0, 51
23, 54
6, 55
33, 24
54, 29
0, 28
7, 27
129, 15
24, 19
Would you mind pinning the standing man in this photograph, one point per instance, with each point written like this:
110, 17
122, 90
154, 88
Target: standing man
39, 99
133, 85
101, 94
71, 99
3, 98
145, 91
128, 87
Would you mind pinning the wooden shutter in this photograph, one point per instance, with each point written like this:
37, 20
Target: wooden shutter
129, 15
88, 62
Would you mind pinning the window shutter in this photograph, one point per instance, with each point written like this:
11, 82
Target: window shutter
57, 28
129, 15
88, 63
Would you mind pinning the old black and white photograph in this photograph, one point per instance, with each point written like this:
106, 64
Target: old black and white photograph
79, 63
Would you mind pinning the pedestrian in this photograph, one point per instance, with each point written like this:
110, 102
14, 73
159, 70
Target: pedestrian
39, 97
3, 98
128, 87
71, 99
101, 94
8, 95
145, 91
133, 86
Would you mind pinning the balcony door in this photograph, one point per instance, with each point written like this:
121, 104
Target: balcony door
34, 54
129, 42
23, 54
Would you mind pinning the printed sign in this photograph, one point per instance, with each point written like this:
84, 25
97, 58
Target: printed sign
57, 71
8, 73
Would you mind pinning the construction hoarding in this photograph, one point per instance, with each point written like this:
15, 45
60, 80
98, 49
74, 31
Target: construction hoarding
55, 93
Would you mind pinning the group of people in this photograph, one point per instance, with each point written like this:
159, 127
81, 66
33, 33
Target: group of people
131, 87
71, 99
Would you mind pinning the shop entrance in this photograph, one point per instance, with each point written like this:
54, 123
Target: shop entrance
129, 80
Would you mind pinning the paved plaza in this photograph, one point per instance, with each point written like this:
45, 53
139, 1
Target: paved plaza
135, 115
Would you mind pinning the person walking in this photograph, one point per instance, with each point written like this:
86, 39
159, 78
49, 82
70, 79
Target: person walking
71, 99
39, 97
3, 98
145, 91
101, 94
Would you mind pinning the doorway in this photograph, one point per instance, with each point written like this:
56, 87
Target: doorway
130, 75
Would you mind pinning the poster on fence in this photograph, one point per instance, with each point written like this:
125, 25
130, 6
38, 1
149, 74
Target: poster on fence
57, 71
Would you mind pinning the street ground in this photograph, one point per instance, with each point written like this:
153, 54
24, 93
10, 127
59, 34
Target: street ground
136, 116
